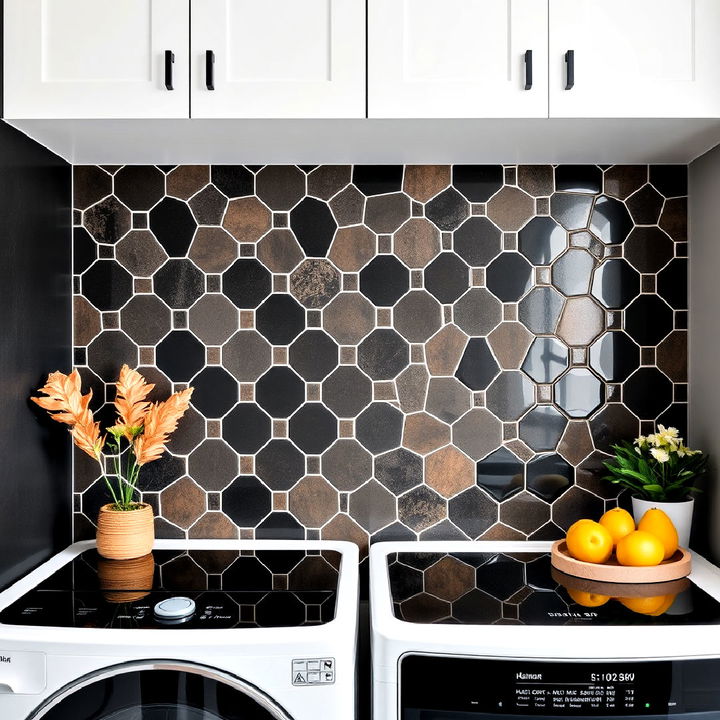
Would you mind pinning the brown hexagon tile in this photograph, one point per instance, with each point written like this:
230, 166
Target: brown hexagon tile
386, 213
417, 242
313, 572
581, 321
183, 502
623, 180
213, 318
107, 221
315, 283
672, 356
90, 184
576, 503
313, 501
536, 180
353, 248
423, 182
576, 443
325, 181
590, 473
425, 608
448, 398
449, 578
140, 253
215, 526
420, 508
279, 251
247, 219
280, 187
524, 512
247, 355
449, 471
373, 507
510, 342
86, 321
348, 206
477, 312
213, 250
510, 208
417, 316
349, 318
673, 219
412, 386
347, 464
445, 349
502, 532
477, 433
185, 180
343, 527
424, 433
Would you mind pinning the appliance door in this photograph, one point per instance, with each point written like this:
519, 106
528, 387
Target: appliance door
436, 687
159, 690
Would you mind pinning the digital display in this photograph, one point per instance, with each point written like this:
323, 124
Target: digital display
440, 687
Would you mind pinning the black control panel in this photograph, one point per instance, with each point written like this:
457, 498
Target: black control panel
455, 688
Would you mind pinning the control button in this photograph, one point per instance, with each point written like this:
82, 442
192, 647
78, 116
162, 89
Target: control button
174, 609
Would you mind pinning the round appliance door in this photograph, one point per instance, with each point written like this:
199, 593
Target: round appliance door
160, 691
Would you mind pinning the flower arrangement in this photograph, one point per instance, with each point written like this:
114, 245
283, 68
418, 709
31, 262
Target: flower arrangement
138, 437
657, 467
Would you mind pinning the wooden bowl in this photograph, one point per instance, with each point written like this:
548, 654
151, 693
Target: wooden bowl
678, 566
596, 587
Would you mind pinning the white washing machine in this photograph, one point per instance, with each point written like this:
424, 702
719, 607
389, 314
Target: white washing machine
489, 630
210, 630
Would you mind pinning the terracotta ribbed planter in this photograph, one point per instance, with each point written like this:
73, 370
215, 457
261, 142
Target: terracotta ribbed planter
125, 534
126, 580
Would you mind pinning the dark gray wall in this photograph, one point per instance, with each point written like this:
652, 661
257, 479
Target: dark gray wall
35, 338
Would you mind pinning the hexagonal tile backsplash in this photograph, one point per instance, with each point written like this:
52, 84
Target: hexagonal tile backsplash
384, 351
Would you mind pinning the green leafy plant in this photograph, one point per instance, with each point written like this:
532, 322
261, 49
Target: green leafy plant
657, 467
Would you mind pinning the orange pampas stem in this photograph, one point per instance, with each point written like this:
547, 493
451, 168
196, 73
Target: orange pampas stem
160, 421
130, 401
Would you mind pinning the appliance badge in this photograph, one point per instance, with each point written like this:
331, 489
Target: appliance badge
313, 671
5, 659
572, 614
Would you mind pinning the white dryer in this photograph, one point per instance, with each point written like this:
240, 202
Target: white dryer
206, 630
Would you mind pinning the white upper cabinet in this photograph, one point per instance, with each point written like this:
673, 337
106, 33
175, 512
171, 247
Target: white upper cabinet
635, 58
96, 58
457, 58
278, 59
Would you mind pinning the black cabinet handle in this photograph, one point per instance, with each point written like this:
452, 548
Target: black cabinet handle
210, 69
570, 63
169, 60
528, 70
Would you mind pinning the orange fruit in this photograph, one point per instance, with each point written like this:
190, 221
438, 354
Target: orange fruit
589, 541
640, 549
657, 523
587, 599
655, 605
618, 523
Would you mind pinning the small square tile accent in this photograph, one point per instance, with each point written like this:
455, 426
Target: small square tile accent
247, 250
279, 500
76, 286
542, 206
510, 431
280, 220
613, 320
511, 176
214, 500
479, 398
213, 355
478, 209
347, 428
681, 249
681, 320
247, 534
478, 277
79, 356
613, 392
280, 582
180, 319
544, 393
447, 314
312, 534
280, 283
247, 319
680, 393
510, 312
647, 356
247, 464
384, 244
647, 284
214, 428
344, 502
313, 392
180, 386
314, 318
280, 355
384, 390
647, 427
147, 355
384, 317
139, 220
613, 251
417, 209
417, 353
110, 320
350, 281
247, 392
280, 428
543, 276
510, 241
213, 283
106, 252
447, 241
348, 355
77, 217
312, 464
142, 286
416, 279
578, 356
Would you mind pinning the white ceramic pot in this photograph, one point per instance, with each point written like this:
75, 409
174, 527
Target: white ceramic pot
679, 512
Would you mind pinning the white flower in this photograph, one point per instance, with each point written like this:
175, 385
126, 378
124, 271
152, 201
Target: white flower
640, 441
660, 455
670, 432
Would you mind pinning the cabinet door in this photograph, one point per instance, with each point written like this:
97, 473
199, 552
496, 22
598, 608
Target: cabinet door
635, 58
456, 58
278, 58
95, 58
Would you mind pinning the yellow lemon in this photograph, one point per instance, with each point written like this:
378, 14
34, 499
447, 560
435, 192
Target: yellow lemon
589, 541
657, 523
640, 549
587, 599
618, 523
